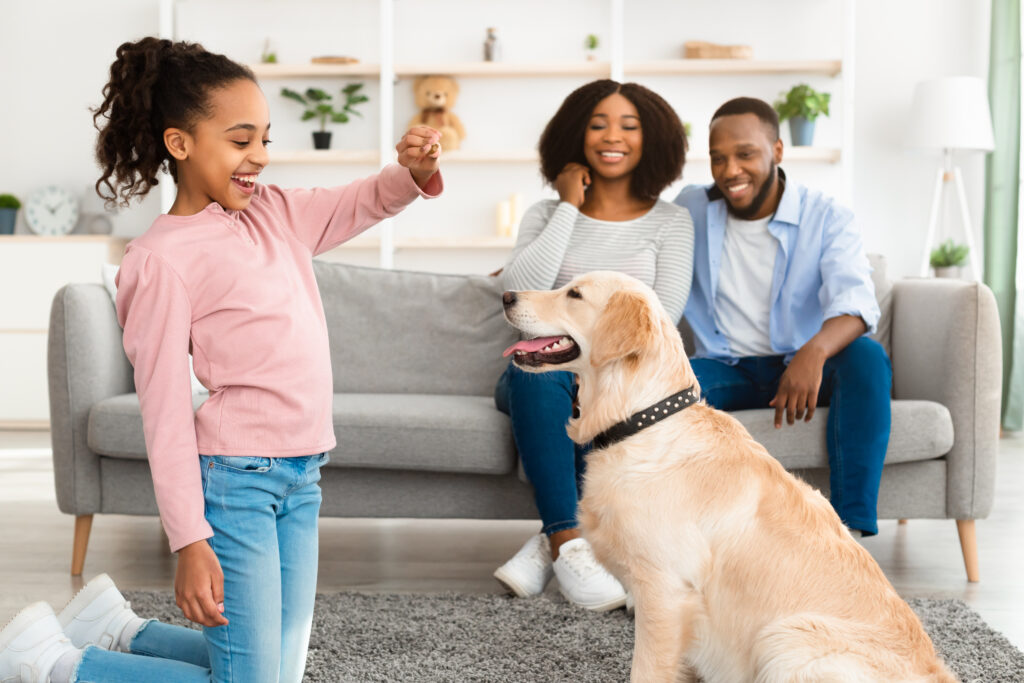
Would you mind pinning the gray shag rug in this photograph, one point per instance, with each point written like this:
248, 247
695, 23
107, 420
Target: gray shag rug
454, 637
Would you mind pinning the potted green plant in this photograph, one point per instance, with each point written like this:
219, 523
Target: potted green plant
801, 106
948, 258
268, 56
9, 206
590, 43
318, 105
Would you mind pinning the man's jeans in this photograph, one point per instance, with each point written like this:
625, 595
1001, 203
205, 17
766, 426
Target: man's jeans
856, 384
540, 405
264, 514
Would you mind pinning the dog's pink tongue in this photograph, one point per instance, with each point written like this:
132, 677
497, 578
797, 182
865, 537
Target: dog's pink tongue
529, 345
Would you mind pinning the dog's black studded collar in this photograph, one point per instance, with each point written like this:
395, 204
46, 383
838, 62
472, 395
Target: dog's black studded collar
647, 417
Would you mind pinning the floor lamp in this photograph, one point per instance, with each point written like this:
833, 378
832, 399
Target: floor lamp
950, 114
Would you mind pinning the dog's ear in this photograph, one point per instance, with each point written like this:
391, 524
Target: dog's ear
625, 328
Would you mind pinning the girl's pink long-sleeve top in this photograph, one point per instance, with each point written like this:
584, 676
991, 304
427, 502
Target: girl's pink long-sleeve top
237, 287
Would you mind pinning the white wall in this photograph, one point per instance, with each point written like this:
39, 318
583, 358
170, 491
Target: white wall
899, 44
54, 60
55, 55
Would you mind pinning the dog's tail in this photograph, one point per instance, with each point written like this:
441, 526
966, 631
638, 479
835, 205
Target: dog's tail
818, 647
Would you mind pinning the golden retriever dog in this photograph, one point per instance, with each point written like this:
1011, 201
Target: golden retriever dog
739, 571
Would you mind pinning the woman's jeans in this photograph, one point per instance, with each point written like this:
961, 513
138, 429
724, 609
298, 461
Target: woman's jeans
856, 385
264, 514
540, 405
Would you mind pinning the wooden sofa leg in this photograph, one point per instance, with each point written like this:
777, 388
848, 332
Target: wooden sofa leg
83, 525
969, 546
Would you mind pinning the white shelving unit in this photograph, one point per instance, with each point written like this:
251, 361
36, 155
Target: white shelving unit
388, 74
32, 270
830, 155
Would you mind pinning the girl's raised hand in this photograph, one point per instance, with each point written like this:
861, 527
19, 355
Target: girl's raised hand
419, 150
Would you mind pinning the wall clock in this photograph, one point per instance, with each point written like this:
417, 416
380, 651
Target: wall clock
51, 211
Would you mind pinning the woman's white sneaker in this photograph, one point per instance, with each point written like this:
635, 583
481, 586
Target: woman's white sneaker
529, 570
30, 645
582, 579
99, 615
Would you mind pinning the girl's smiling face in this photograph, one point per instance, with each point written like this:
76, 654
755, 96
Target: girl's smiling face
613, 142
220, 157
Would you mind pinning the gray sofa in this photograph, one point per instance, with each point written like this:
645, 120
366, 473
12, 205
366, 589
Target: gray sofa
415, 360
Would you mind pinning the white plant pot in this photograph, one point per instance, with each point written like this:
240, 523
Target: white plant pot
948, 271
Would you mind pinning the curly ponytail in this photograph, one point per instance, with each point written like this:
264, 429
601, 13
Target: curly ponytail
154, 84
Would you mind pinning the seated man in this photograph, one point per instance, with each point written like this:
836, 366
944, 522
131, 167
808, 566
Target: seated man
780, 303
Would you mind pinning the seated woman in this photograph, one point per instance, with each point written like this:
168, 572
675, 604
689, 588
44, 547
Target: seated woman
609, 151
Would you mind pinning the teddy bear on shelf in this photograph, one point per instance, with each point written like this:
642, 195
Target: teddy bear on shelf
435, 97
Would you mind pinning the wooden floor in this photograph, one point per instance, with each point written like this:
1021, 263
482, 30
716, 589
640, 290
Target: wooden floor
922, 558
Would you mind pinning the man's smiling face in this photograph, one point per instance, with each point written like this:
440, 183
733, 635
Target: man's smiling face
744, 160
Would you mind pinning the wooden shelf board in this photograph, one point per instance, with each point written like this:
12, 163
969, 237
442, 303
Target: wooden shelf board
314, 70
484, 156
828, 155
462, 156
326, 156
505, 69
827, 67
55, 238
447, 242
25, 425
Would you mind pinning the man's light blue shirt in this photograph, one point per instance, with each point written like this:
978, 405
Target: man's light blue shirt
820, 270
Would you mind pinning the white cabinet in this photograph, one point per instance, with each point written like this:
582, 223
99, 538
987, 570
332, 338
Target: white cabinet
32, 270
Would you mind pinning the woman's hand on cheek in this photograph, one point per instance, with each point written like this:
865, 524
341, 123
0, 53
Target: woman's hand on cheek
199, 585
572, 183
419, 151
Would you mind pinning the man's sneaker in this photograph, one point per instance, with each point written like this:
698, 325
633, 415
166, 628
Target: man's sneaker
31, 644
529, 570
99, 615
582, 579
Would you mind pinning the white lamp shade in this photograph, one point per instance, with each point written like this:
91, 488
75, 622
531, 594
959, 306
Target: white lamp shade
951, 113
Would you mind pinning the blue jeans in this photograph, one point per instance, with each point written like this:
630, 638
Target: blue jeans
856, 384
264, 514
540, 405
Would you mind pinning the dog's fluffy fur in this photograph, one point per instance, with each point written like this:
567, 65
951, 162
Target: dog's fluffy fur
740, 572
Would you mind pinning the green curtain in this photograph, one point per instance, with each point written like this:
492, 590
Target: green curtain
1002, 199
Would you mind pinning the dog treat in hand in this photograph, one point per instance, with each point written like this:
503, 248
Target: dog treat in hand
433, 149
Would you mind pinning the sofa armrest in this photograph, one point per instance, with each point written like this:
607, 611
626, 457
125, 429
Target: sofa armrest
85, 363
946, 347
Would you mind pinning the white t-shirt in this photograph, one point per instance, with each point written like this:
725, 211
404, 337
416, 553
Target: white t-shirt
743, 300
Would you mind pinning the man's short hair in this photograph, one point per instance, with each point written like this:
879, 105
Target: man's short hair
751, 105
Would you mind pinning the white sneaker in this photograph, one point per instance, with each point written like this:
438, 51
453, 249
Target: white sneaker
31, 644
529, 570
582, 579
99, 615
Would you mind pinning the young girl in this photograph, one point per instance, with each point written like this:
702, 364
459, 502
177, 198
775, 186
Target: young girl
609, 151
227, 276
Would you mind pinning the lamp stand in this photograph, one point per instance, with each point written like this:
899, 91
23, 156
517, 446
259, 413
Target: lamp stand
947, 171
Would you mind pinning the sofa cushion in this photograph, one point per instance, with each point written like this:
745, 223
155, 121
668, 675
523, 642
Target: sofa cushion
402, 332
115, 426
921, 430
446, 433
438, 433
